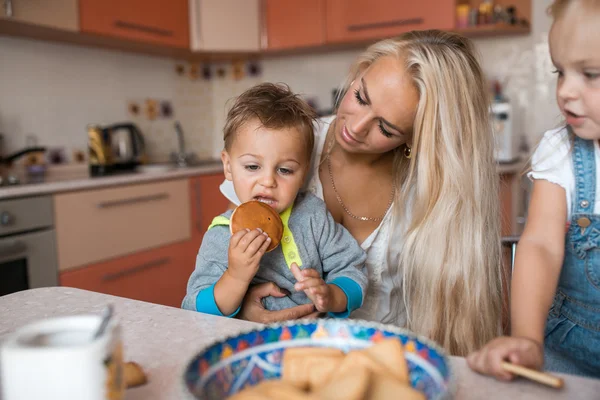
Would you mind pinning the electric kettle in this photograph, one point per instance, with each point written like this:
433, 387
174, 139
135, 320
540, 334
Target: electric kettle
115, 148
127, 144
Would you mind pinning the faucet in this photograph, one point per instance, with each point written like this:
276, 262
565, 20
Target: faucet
180, 139
180, 157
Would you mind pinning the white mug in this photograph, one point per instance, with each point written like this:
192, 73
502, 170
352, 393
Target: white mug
59, 359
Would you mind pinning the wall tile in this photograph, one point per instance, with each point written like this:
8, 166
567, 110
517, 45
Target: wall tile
55, 90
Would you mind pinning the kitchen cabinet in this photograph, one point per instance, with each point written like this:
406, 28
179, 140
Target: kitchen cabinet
225, 25
97, 225
292, 24
159, 22
206, 203
60, 14
226, 30
513, 204
356, 20
157, 276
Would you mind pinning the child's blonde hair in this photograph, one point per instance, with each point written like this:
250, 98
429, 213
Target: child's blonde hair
447, 211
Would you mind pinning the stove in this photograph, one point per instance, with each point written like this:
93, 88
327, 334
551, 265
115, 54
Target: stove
10, 180
17, 176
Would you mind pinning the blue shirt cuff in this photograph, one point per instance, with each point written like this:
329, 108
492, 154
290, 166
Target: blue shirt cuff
205, 303
353, 293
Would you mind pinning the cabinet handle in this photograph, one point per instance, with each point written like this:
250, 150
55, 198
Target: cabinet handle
8, 9
143, 28
198, 190
136, 269
133, 200
16, 247
385, 24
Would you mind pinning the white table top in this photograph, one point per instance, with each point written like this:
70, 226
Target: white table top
163, 339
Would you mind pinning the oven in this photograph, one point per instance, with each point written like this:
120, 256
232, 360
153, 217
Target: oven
27, 244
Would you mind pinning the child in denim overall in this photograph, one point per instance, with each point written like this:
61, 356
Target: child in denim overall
555, 300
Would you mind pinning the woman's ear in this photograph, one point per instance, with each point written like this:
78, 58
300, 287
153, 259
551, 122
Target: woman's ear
226, 165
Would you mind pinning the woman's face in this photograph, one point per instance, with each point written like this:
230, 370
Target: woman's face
377, 112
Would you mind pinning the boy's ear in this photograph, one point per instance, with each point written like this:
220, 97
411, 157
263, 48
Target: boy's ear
226, 165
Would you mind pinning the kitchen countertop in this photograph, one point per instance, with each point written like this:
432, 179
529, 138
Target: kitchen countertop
79, 179
163, 339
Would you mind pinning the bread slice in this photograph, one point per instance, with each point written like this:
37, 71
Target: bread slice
352, 384
361, 358
390, 354
383, 387
310, 367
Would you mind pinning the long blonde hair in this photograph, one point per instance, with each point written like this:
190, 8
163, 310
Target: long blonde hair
447, 210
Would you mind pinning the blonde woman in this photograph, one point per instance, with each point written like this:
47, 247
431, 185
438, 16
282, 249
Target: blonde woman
406, 165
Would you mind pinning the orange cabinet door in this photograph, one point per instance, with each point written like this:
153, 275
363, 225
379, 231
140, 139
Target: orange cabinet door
207, 202
294, 23
356, 20
157, 276
154, 21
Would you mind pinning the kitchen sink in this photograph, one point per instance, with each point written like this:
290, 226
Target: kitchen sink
203, 162
168, 166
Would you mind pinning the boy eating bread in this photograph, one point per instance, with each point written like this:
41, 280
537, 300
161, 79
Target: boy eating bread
269, 140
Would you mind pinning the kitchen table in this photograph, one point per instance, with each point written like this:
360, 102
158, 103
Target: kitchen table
163, 339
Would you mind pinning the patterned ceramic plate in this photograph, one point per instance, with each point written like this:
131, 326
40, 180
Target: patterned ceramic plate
231, 364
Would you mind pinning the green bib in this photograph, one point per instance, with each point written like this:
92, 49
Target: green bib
288, 245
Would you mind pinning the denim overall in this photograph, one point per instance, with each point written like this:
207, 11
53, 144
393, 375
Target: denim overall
572, 336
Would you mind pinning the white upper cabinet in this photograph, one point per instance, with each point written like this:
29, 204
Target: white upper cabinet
225, 25
61, 14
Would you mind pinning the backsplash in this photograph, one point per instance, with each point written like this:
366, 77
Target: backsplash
54, 90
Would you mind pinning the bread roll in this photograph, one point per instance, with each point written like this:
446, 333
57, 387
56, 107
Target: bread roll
255, 214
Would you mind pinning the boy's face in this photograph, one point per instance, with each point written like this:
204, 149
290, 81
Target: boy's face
266, 164
575, 51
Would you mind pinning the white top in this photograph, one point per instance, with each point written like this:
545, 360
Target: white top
384, 294
553, 161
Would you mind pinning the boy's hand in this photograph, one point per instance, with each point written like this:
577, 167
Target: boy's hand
246, 248
310, 281
517, 350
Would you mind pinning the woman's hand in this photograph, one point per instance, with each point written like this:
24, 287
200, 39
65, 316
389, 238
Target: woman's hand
253, 309
517, 350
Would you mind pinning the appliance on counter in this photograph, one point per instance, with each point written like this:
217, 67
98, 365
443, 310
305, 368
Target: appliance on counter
28, 256
506, 148
7, 177
115, 148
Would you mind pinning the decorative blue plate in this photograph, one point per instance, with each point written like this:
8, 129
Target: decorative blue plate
229, 365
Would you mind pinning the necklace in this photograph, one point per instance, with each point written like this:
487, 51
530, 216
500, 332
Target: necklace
339, 199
